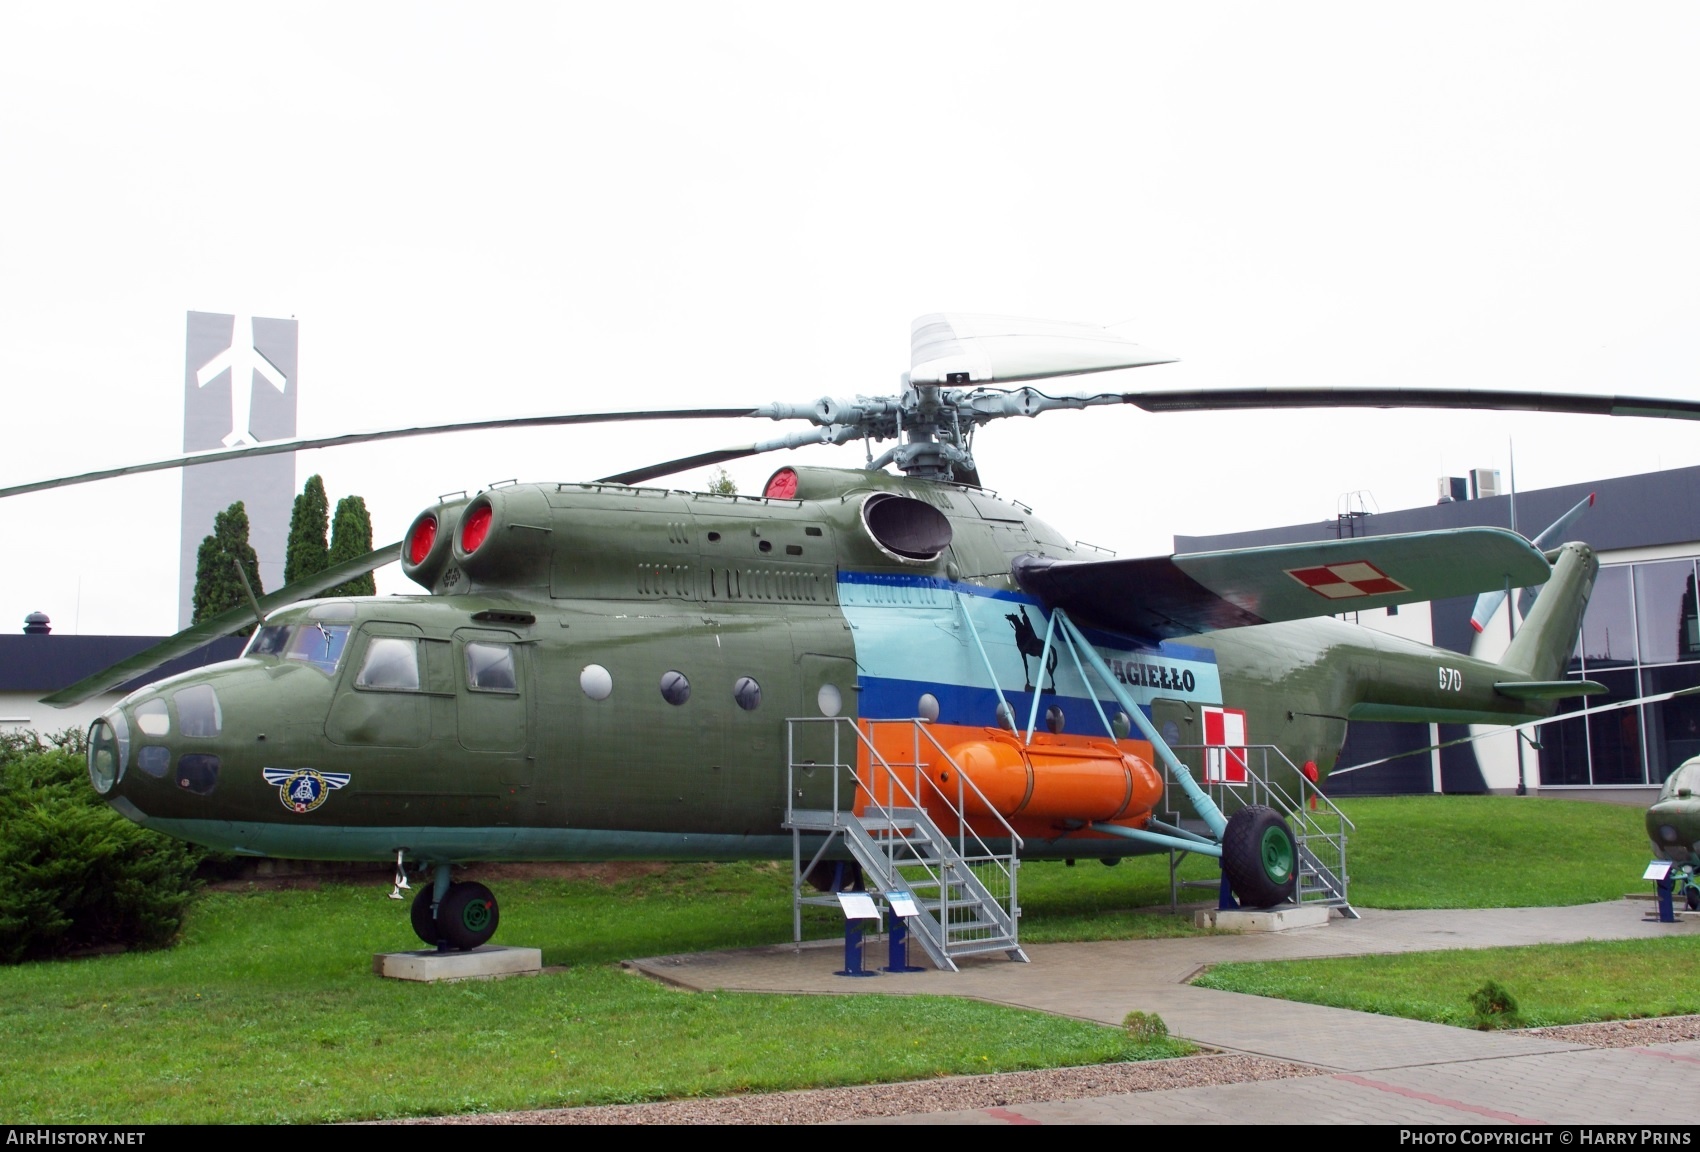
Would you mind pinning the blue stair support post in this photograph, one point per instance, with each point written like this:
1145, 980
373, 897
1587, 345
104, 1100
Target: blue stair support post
897, 952
853, 939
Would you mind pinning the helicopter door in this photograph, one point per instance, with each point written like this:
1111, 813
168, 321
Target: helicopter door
494, 710
381, 703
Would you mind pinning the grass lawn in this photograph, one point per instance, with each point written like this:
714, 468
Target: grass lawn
1492, 851
267, 1011
1487, 852
1552, 984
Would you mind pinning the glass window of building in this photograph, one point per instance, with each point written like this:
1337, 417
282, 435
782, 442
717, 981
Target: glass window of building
1608, 627
1664, 611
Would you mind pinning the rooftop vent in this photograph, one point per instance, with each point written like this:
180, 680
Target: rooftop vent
37, 624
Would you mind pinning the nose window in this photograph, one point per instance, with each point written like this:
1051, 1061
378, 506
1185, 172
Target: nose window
198, 711
109, 746
197, 773
154, 761
153, 719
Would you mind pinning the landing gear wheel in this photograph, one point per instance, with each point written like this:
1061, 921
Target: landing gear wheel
1692, 898
835, 876
467, 916
425, 924
1259, 857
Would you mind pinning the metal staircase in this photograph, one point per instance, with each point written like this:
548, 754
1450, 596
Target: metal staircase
1319, 827
964, 891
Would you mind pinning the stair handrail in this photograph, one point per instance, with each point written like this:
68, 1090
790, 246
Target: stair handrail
894, 781
876, 761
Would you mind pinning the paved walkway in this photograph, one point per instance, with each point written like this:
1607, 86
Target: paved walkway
1380, 1069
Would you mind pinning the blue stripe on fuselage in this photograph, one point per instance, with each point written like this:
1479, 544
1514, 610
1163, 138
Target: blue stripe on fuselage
961, 643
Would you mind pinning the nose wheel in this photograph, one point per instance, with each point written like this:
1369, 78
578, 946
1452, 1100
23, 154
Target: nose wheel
465, 918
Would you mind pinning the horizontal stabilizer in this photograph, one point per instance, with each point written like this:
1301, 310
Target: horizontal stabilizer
1550, 689
224, 624
1167, 596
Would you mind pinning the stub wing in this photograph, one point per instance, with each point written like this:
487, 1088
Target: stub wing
1160, 597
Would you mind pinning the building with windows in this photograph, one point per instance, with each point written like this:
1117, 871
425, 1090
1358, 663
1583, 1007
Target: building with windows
1640, 638
35, 663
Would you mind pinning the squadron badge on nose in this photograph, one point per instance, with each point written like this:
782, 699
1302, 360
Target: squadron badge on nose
303, 789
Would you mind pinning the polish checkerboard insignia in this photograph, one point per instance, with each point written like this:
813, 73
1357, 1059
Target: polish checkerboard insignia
1347, 580
303, 789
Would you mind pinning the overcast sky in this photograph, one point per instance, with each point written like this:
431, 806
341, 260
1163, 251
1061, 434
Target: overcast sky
519, 209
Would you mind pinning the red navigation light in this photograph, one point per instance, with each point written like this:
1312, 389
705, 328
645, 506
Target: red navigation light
419, 542
782, 485
474, 528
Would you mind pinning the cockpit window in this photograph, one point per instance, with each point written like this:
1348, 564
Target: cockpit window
198, 712
320, 645
490, 667
391, 663
268, 641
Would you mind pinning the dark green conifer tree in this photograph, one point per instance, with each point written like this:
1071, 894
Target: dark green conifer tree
308, 523
217, 587
351, 538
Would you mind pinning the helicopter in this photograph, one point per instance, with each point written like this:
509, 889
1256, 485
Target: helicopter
609, 669
1673, 828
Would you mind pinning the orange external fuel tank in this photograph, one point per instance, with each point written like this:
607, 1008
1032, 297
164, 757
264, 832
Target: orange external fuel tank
1071, 782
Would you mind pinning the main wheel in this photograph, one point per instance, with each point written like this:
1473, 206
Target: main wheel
467, 916
1692, 897
425, 924
835, 876
1260, 857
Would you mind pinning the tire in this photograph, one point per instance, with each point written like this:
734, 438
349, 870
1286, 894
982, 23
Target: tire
425, 924
467, 917
1260, 857
1692, 898
835, 876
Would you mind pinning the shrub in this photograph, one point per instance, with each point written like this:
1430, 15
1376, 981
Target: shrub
1494, 1006
76, 874
1145, 1027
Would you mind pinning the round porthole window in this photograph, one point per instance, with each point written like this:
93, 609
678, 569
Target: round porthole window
1121, 725
675, 689
747, 693
1053, 719
927, 707
596, 682
829, 700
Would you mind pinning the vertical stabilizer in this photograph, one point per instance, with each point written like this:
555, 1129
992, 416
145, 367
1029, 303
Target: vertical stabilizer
1542, 648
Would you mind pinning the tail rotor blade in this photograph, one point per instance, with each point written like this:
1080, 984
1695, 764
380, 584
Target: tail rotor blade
1488, 602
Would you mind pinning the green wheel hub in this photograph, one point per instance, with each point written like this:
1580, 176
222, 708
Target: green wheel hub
475, 916
1260, 857
1277, 853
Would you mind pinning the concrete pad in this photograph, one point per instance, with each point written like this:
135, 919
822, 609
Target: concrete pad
490, 962
1262, 919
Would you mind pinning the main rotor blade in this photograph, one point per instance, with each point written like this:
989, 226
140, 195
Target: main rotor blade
236, 619
346, 438
684, 463
1228, 399
1500, 730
